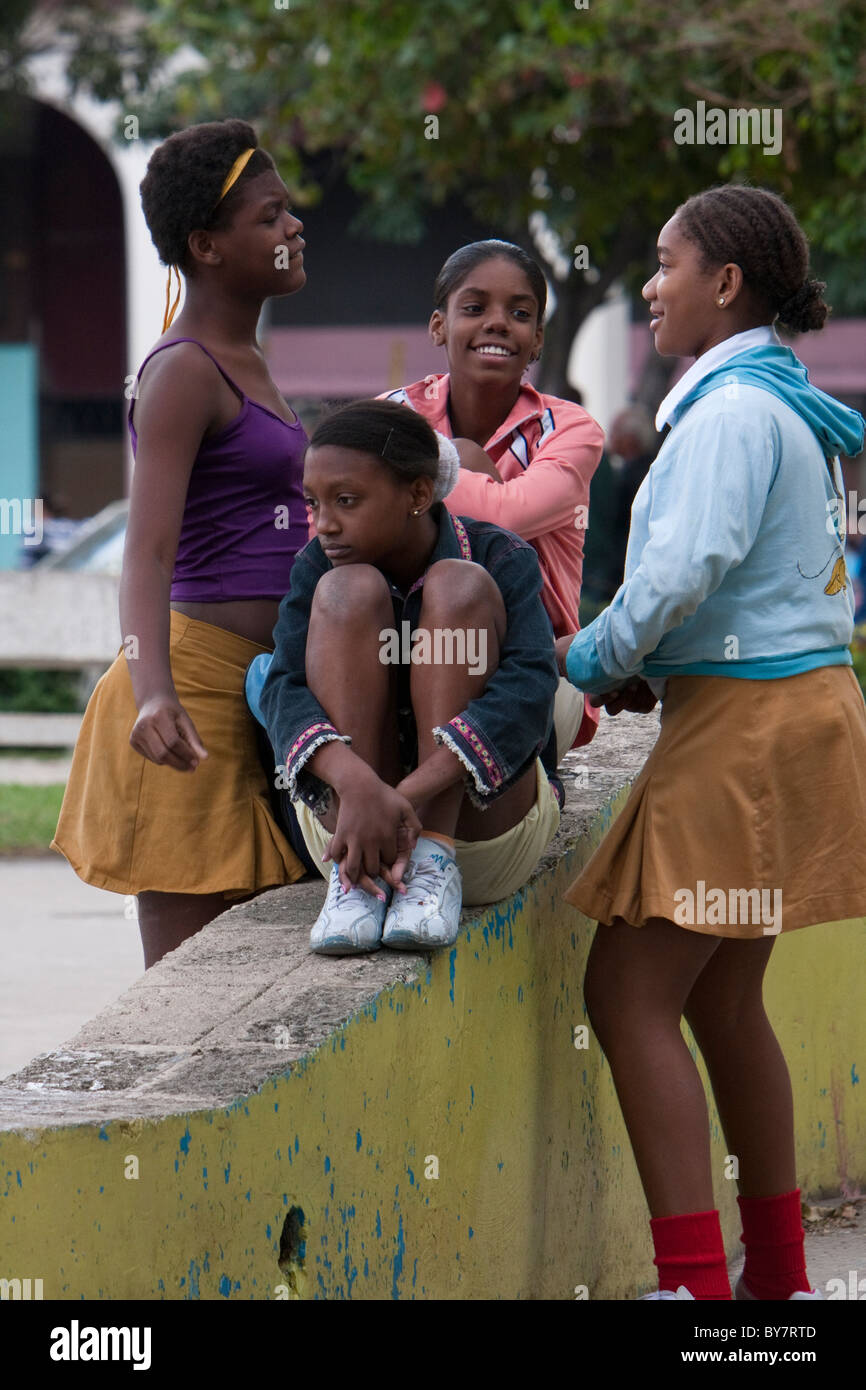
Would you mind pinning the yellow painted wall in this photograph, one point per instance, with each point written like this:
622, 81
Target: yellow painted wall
474, 1064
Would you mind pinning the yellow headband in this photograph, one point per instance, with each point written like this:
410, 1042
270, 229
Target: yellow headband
235, 172
232, 177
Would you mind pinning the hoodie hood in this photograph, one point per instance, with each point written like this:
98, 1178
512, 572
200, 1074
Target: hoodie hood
774, 368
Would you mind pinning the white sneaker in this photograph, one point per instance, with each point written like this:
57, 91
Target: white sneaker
427, 915
349, 923
743, 1294
682, 1292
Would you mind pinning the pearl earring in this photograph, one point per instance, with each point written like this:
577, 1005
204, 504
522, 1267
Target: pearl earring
417, 511
721, 303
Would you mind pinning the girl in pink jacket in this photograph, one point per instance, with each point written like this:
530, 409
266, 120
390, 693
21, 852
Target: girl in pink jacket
526, 459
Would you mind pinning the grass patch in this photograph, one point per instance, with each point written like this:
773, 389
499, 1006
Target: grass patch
28, 817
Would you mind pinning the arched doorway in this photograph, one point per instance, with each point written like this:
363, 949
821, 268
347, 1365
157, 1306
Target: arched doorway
62, 308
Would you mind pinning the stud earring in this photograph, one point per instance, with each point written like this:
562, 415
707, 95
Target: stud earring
721, 303
417, 511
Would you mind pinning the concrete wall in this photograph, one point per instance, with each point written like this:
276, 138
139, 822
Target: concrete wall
58, 619
253, 1121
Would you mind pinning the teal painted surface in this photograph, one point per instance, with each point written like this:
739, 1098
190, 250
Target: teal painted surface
19, 450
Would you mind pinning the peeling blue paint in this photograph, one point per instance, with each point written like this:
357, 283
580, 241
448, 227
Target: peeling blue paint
855, 1080
185, 1141
103, 1135
452, 957
398, 1259
358, 1141
327, 1164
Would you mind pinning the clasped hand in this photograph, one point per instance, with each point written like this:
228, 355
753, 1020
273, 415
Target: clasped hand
635, 696
376, 832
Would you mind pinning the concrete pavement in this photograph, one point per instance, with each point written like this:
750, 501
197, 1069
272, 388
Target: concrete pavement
67, 951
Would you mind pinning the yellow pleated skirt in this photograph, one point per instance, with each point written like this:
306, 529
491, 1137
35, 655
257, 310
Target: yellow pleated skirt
749, 816
131, 826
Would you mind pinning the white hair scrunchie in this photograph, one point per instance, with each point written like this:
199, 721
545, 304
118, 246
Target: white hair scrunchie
449, 467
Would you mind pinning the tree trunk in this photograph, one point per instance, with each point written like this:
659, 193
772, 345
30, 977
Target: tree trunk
575, 301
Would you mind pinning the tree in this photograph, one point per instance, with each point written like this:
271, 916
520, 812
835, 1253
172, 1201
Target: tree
520, 107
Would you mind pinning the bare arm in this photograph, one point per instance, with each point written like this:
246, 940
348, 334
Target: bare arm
177, 401
473, 458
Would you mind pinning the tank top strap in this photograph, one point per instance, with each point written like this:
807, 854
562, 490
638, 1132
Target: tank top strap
223, 373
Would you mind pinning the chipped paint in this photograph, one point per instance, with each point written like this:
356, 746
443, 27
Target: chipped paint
518, 1119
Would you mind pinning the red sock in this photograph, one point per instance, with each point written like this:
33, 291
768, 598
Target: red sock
690, 1250
773, 1236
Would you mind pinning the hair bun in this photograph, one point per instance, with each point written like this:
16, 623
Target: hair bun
805, 309
449, 467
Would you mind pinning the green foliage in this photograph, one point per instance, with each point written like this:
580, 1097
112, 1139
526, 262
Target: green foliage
25, 691
542, 107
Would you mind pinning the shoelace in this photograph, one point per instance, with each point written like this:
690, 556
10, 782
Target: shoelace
335, 891
424, 873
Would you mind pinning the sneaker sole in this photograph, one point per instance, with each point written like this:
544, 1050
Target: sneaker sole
405, 941
338, 946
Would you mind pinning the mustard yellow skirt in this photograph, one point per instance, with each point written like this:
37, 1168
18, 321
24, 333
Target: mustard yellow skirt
749, 816
131, 826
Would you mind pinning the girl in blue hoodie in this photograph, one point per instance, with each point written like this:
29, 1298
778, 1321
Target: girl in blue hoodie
749, 817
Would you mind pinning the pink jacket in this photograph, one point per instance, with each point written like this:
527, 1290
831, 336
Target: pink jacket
546, 452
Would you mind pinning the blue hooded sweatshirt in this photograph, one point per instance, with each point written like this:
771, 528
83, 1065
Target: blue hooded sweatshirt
735, 562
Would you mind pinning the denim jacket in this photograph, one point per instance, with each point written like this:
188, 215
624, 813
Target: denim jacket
499, 734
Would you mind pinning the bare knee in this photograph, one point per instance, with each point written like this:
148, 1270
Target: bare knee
460, 586
351, 592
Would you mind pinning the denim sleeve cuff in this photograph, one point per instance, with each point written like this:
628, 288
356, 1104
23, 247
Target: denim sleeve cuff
485, 775
305, 786
583, 666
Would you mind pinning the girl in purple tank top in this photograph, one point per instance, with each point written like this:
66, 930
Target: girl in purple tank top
167, 798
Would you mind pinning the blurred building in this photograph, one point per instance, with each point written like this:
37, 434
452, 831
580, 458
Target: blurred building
82, 295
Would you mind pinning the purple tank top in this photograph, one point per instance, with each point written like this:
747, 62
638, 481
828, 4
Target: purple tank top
244, 519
